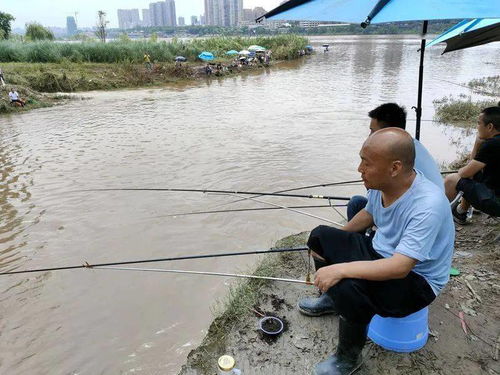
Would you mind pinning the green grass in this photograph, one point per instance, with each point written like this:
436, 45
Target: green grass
122, 51
463, 111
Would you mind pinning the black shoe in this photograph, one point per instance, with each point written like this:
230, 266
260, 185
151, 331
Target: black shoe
317, 306
458, 218
347, 359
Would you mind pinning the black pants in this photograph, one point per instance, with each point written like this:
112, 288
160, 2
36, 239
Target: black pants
480, 196
359, 300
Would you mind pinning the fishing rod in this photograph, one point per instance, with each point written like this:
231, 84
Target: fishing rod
244, 210
353, 182
206, 273
187, 257
222, 192
288, 209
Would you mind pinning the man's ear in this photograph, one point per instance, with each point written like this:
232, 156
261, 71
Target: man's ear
396, 168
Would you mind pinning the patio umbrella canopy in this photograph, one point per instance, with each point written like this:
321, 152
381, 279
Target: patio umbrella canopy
232, 52
469, 33
365, 12
256, 48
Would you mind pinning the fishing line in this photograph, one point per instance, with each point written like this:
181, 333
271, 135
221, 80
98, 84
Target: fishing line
243, 210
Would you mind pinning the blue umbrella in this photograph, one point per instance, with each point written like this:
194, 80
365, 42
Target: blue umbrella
206, 56
232, 52
371, 11
469, 33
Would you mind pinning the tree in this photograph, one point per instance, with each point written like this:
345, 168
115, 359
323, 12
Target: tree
35, 31
5, 20
101, 26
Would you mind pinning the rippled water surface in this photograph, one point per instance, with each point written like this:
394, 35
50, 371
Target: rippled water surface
297, 124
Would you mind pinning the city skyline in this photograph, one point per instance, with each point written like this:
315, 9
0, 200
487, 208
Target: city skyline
59, 10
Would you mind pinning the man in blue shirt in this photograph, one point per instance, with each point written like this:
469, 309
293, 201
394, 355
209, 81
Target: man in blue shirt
392, 115
406, 264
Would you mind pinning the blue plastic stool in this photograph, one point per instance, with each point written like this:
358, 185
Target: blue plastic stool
402, 335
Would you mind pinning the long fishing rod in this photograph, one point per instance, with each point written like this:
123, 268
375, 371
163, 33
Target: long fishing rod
288, 209
243, 210
187, 257
353, 182
223, 192
206, 273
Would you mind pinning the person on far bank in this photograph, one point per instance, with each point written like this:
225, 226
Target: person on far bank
147, 61
14, 97
398, 271
2, 79
479, 180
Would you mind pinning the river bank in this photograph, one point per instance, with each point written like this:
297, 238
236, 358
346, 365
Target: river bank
38, 83
306, 341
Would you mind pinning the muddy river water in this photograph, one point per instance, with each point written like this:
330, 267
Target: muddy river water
296, 124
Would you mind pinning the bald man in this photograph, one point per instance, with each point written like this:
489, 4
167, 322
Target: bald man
406, 264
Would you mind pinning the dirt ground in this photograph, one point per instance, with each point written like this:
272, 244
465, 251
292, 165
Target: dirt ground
453, 347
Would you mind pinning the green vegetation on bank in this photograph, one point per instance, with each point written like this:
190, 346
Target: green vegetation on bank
464, 110
283, 46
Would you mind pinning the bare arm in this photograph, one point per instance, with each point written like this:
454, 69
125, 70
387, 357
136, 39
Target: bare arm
361, 221
471, 169
477, 143
395, 267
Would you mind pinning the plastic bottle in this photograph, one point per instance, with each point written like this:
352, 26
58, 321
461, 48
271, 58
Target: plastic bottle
226, 365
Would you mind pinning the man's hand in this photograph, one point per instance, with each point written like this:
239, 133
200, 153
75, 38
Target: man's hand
396, 267
328, 276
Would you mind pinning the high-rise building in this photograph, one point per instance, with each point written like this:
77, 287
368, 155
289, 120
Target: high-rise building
223, 12
194, 20
146, 21
170, 14
203, 20
128, 18
71, 28
181, 22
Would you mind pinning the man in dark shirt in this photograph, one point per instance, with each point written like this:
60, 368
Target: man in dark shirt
479, 180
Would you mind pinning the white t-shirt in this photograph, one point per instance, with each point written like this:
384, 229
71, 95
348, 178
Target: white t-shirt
13, 95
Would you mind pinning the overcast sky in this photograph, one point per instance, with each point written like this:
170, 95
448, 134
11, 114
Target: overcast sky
54, 12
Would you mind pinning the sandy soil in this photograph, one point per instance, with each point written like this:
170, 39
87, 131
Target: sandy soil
306, 341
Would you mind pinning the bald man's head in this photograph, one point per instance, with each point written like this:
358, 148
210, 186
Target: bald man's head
394, 144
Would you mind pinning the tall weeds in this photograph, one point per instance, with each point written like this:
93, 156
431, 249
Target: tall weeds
123, 51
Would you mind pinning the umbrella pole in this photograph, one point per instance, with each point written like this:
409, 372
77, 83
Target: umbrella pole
418, 110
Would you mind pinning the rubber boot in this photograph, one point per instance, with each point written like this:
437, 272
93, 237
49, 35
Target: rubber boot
318, 306
347, 359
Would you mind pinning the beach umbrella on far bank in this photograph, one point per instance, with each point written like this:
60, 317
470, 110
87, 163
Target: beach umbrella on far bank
244, 53
206, 56
180, 59
366, 12
256, 48
232, 52
469, 33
